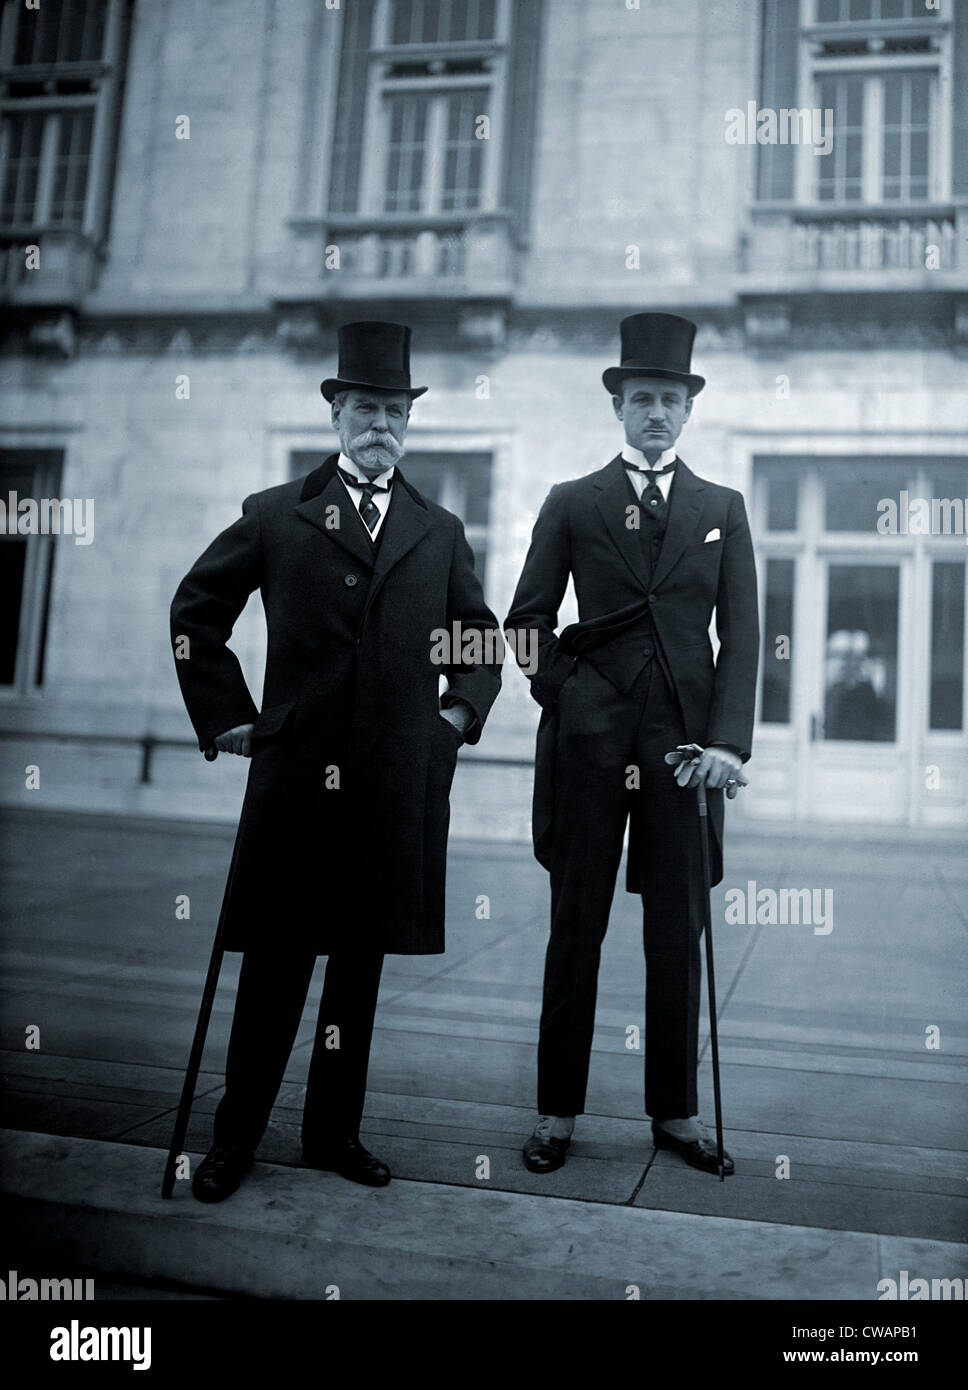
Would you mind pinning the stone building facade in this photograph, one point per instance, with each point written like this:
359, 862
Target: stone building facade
194, 197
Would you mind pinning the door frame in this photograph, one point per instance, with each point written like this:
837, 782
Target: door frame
810, 546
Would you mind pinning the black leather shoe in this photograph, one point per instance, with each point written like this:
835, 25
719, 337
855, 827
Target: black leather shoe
348, 1158
220, 1172
698, 1153
543, 1153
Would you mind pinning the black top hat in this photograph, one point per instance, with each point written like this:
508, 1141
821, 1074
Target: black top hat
373, 354
655, 345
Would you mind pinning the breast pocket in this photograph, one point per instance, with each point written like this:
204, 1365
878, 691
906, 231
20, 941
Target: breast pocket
706, 547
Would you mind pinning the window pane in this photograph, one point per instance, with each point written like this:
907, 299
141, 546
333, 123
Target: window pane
431, 21
464, 153
781, 502
851, 498
426, 472
455, 19
429, 16
918, 153
21, 471
920, 84
402, 21
860, 674
61, 31
71, 168
403, 187
906, 151
828, 11
840, 177
477, 471
892, 155
22, 139
460, 482
949, 480
947, 644
777, 622
485, 20
859, 9
13, 558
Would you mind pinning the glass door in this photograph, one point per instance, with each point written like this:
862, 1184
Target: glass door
858, 745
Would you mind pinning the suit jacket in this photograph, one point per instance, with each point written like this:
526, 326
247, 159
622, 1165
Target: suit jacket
343, 832
582, 532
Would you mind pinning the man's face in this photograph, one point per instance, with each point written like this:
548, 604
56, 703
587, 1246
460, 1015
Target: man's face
372, 425
653, 411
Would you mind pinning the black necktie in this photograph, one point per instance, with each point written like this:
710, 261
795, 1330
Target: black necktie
369, 511
652, 501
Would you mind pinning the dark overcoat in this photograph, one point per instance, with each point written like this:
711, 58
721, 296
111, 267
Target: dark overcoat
582, 531
343, 832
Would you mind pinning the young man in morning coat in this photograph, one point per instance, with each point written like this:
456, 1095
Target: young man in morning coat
341, 847
653, 550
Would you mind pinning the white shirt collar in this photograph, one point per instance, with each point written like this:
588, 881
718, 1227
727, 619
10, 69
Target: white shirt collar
632, 455
350, 467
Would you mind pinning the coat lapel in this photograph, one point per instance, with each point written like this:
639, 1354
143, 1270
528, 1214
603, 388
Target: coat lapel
614, 497
407, 522
322, 490
685, 508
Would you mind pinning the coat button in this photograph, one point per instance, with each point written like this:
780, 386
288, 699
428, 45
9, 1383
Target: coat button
652, 600
350, 580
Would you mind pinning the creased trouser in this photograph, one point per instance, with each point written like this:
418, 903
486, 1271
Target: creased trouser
601, 736
273, 985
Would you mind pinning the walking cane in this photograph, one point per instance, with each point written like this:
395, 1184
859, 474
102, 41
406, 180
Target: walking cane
690, 753
198, 1044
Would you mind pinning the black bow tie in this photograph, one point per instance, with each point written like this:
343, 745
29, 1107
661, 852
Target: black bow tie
651, 473
361, 482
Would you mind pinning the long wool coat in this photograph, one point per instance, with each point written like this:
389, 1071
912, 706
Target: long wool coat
582, 531
343, 832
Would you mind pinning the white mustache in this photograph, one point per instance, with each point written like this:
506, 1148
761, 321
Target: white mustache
374, 439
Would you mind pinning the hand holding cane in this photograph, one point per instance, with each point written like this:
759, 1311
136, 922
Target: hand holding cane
685, 759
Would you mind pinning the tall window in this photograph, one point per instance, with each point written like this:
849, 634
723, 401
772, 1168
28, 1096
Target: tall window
58, 101
433, 135
878, 66
26, 567
426, 78
462, 484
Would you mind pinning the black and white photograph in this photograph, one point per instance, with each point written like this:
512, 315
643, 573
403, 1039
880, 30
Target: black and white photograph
483, 711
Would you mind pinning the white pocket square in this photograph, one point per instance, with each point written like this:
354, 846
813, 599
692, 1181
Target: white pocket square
712, 535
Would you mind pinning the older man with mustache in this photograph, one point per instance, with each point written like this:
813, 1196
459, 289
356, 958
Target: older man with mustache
341, 848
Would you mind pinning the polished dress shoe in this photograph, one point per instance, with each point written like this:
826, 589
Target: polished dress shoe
698, 1153
348, 1158
544, 1151
220, 1172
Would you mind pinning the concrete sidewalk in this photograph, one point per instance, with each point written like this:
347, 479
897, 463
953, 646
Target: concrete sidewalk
823, 1042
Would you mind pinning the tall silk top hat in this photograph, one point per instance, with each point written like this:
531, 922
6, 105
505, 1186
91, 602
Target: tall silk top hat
373, 354
655, 345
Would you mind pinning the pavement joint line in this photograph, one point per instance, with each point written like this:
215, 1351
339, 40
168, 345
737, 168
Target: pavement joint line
528, 1110
456, 1128
641, 1182
818, 1173
949, 894
720, 1225
731, 989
